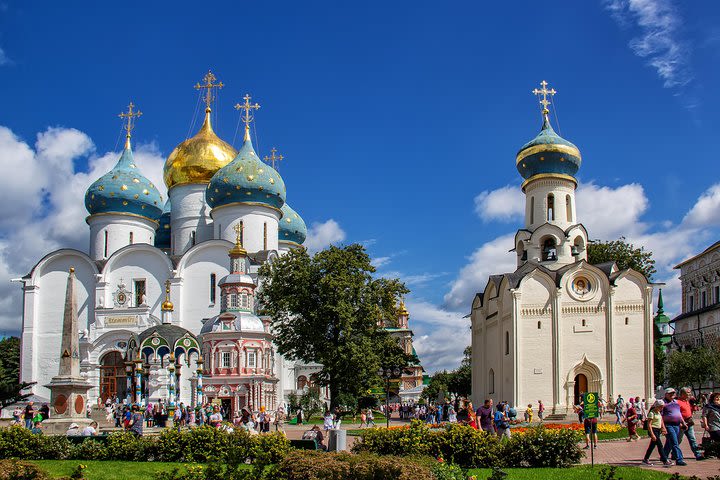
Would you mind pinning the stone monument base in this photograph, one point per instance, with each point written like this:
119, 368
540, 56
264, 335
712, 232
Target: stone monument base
59, 426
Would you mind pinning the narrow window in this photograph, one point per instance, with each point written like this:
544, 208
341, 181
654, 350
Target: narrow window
627, 321
139, 292
507, 343
212, 288
584, 322
192, 238
549, 251
106, 244
131, 238
225, 359
692, 303
717, 294
242, 233
244, 300
491, 381
234, 300
265, 236
532, 210
539, 325
252, 363
703, 300
550, 207
568, 208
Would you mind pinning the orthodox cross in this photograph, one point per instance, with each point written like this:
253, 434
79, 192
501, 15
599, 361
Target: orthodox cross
209, 85
129, 119
167, 289
273, 158
544, 92
247, 116
239, 232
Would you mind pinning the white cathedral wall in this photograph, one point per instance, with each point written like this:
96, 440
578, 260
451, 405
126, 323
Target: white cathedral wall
536, 194
119, 229
254, 218
139, 262
195, 269
42, 331
189, 213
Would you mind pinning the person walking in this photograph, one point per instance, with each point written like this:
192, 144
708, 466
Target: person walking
619, 410
529, 413
711, 416
28, 415
363, 418
501, 422
541, 410
656, 428
687, 407
631, 418
485, 416
370, 418
280, 420
137, 420
674, 424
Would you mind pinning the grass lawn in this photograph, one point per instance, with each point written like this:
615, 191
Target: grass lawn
576, 473
107, 470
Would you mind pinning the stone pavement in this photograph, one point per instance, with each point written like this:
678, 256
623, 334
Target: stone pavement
630, 454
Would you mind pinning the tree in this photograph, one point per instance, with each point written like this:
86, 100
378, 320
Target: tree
693, 368
457, 383
326, 309
624, 254
11, 389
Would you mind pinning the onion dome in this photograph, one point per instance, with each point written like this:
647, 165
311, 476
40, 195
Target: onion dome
292, 227
198, 158
162, 235
246, 180
124, 190
548, 154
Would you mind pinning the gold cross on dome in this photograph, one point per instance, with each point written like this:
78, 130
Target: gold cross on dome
544, 92
247, 115
273, 158
129, 119
238, 233
209, 85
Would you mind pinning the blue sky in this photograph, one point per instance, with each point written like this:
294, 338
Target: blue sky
399, 122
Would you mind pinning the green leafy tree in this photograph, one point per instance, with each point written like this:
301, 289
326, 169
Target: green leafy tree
325, 309
693, 368
624, 254
457, 383
11, 389
438, 386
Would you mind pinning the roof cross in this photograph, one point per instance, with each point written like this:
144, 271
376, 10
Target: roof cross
209, 85
247, 115
239, 232
273, 158
129, 119
544, 92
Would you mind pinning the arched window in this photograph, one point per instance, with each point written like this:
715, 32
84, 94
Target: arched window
242, 233
568, 208
301, 382
265, 236
584, 322
192, 238
549, 251
507, 343
539, 324
550, 207
491, 381
627, 321
212, 288
106, 244
532, 210
131, 238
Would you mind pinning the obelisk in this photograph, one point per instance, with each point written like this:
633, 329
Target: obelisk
68, 390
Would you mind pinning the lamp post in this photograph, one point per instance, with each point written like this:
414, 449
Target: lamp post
387, 374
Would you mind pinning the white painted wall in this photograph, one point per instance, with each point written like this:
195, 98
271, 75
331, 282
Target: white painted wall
119, 229
254, 218
539, 191
189, 213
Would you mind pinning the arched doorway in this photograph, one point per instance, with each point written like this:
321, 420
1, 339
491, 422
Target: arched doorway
113, 379
581, 386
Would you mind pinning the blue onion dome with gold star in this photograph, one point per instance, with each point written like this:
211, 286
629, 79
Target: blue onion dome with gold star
548, 153
124, 190
292, 227
246, 180
162, 235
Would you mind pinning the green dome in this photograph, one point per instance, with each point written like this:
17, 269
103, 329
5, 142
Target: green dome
246, 180
292, 227
548, 153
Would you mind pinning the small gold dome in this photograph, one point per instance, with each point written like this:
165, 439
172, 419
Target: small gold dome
167, 306
198, 158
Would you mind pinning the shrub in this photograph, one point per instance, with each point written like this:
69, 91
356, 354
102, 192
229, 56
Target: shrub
309, 465
467, 447
52, 447
18, 442
89, 450
401, 441
16, 470
268, 449
206, 443
122, 446
540, 447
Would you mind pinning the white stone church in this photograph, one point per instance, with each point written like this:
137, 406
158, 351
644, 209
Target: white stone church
203, 339
557, 326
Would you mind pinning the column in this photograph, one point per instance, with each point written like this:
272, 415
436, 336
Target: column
515, 318
138, 381
649, 344
171, 383
199, 395
609, 344
556, 313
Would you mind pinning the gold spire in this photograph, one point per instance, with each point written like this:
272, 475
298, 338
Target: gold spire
129, 118
238, 248
209, 85
247, 116
403, 310
544, 92
273, 158
167, 305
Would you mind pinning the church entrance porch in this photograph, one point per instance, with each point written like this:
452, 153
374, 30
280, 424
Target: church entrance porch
584, 377
113, 377
581, 385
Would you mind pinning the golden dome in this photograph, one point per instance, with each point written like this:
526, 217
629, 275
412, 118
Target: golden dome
198, 158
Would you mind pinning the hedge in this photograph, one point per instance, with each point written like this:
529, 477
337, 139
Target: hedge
471, 448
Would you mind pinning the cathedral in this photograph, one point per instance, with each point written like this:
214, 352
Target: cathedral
166, 296
558, 326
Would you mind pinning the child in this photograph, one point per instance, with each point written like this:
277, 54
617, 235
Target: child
529, 413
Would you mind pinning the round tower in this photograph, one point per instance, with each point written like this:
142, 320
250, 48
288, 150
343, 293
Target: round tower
552, 235
249, 193
187, 172
124, 206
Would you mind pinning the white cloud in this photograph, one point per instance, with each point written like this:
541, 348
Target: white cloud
659, 40
706, 212
503, 204
609, 213
322, 235
42, 201
4, 59
379, 262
